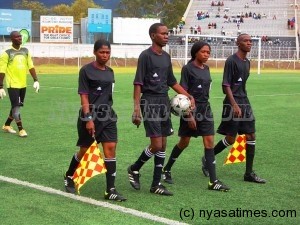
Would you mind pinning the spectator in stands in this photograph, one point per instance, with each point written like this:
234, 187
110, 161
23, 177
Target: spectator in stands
180, 28
174, 31
198, 29
223, 31
292, 22
259, 16
195, 29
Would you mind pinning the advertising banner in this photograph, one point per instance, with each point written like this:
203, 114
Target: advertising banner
56, 29
14, 20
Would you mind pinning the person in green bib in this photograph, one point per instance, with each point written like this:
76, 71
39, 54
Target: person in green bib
14, 64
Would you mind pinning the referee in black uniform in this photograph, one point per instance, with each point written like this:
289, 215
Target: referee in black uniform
196, 79
154, 76
237, 115
97, 119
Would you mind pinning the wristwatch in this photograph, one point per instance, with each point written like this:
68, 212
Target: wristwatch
88, 116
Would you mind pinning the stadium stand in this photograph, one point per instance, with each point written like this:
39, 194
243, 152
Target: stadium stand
268, 17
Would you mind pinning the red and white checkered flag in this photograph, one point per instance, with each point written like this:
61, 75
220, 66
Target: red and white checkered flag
238, 151
90, 165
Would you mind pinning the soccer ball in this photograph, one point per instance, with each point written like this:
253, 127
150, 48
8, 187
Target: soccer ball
180, 105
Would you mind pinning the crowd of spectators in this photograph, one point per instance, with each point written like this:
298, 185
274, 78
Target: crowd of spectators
230, 17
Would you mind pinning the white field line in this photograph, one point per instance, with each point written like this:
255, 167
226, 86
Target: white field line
92, 201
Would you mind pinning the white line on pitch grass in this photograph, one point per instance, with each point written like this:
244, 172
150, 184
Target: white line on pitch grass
92, 201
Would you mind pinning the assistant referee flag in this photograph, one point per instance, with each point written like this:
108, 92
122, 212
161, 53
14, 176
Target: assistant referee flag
238, 151
90, 165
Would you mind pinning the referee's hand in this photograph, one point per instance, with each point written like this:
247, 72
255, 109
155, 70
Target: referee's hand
2, 93
136, 119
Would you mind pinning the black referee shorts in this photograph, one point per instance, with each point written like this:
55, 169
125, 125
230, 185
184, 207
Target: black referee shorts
204, 120
231, 125
156, 116
105, 130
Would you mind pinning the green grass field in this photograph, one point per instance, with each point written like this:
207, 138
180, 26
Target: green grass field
50, 121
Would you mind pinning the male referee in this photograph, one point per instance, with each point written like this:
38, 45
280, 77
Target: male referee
237, 115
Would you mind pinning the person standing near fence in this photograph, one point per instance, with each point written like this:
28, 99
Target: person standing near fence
97, 120
154, 76
196, 79
14, 63
237, 115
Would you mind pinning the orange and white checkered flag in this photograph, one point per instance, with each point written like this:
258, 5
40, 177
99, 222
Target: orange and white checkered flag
90, 165
238, 151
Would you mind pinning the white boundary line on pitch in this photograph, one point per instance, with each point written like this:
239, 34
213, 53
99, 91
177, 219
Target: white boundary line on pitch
92, 201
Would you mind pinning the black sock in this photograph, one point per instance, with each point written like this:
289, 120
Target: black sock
144, 157
73, 165
222, 144
250, 152
9, 119
19, 124
174, 155
111, 172
210, 163
159, 160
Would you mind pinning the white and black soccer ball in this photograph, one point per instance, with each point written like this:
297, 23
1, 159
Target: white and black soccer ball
180, 105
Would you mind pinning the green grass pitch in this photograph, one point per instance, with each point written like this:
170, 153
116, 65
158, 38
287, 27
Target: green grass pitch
50, 120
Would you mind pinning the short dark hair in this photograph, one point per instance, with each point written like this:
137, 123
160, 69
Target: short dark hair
99, 43
12, 33
241, 35
153, 28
